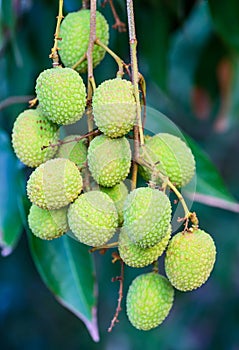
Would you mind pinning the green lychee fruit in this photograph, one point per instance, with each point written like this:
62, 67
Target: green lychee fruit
48, 224
114, 107
109, 160
61, 94
74, 34
76, 151
93, 218
54, 184
149, 300
118, 194
172, 156
134, 256
147, 215
190, 258
32, 131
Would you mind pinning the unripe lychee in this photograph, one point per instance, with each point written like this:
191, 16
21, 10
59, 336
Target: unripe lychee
93, 218
76, 151
134, 256
54, 184
48, 224
147, 215
109, 160
61, 94
149, 300
190, 258
118, 194
75, 33
114, 107
32, 131
172, 157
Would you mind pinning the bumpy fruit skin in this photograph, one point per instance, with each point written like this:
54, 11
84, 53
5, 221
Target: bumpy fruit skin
109, 160
173, 156
32, 131
149, 300
118, 194
48, 224
75, 31
134, 256
190, 258
54, 184
76, 151
93, 218
114, 107
61, 94
147, 215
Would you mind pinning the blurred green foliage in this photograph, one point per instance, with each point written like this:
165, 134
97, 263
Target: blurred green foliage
188, 54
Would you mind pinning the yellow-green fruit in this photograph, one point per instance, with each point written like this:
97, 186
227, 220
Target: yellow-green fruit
32, 131
109, 160
173, 157
93, 218
76, 151
190, 258
149, 300
114, 107
147, 215
134, 256
54, 184
74, 34
48, 224
61, 94
118, 194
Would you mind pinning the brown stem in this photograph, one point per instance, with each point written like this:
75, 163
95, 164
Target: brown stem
54, 51
105, 246
119, 25
14, 100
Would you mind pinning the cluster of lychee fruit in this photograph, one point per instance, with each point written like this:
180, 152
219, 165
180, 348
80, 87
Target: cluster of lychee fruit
79, 182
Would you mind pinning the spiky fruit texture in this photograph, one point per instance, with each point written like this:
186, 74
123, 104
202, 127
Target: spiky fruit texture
76, 151
109, 160
190, 258
118, 194
147, 215
75, 32
61, 94
149, 300
32, 131
173, 157
54, 184
114, 107
93, 218
134, 256
48, 224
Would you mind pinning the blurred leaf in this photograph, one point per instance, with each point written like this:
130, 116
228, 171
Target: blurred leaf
66, 267
11, 179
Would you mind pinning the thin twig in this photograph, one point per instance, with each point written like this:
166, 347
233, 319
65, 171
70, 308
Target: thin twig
82, 59
12, 100
54, 51
105, 246
119, 25
118, 309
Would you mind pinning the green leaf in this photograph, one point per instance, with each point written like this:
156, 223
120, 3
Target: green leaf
11, 191
66, 267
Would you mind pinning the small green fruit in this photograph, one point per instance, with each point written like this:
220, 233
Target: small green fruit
109, 160
54, 184
134, 256
149, 300
32, 131
76, 151
173, 157
75, 33
114, 107
147, 216
190, 258
61, 94
118, 194
93, 218
48, 224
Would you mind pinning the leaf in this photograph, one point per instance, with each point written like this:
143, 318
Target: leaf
11, 179
66, 267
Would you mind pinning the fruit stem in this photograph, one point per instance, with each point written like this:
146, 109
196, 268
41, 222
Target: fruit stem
105, 246
9, 101
117, 59
82, 59
119, 25
54, 51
